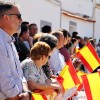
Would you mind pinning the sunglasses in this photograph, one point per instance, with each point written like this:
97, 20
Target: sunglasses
18, 15
49, 57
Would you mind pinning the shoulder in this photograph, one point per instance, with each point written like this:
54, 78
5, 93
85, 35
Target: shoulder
3, 48
63, 49
27, 62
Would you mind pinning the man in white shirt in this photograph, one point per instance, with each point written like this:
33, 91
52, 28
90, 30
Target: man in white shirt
56, 60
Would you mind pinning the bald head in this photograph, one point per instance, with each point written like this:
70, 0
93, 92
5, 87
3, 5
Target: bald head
60, 38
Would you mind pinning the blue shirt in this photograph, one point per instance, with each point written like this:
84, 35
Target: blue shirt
11, 75
56, 61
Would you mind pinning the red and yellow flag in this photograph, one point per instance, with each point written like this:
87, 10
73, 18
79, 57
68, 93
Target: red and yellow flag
89, 57
38, 96
91, 84
80, 86
68, 76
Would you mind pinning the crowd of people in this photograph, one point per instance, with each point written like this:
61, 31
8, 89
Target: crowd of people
30, 61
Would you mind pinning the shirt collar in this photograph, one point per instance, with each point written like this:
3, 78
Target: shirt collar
5, 36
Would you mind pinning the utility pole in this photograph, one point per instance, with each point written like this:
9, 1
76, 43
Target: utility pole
93, 17
60, 13
60, 3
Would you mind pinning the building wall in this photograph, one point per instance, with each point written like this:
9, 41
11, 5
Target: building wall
97, 1
97, 24
84, 28
36, 10
78, 6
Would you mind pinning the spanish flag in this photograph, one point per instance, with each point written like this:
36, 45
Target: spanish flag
80, 86
68, 76
89, 57
38, 96
91, 84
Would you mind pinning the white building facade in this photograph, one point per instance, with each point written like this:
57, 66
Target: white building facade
97, 18
41, 12
74, 15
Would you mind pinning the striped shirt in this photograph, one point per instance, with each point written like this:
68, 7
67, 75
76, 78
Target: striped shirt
11, 75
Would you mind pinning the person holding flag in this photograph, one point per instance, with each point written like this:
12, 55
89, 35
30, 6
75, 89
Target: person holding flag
33, 72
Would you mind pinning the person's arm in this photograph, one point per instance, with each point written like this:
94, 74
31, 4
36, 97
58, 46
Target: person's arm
8, 86
7, 83
25, 85
26, 95
15, 98
55, 85
34, 85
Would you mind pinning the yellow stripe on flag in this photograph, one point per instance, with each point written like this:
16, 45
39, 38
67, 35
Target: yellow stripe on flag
86, 53
37, 96
92, 86
80, 73
80, 86
68, 81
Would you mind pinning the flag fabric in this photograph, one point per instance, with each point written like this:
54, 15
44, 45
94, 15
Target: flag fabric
38, 96
89, 57
91, 84
68, 76
80, 86
80, 73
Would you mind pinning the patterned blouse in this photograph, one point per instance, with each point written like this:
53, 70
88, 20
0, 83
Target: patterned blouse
32, 72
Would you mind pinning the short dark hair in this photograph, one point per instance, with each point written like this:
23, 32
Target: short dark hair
23, 29
46, 29
65, 33
24, 23
74, 34
33, 24
5, 6
73, 40
49, 39
78, 37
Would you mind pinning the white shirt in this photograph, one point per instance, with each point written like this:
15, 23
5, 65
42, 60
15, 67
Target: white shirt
56, 61
27, 43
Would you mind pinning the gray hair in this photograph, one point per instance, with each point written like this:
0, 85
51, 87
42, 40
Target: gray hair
5, 6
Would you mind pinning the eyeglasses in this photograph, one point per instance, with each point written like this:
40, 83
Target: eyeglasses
18, 15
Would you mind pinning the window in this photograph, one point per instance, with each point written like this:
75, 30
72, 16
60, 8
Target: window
43, 23
72, 27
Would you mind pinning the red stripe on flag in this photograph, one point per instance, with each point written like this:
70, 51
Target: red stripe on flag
84, 62
91, 48
80, 87
33, 98
87, 87
73, 72
44, 97
61, 80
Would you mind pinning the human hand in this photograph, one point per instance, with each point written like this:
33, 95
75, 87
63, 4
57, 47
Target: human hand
57, 88
24, 96
98, 70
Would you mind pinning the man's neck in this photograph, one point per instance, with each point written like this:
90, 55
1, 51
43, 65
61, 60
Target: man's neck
7, 31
